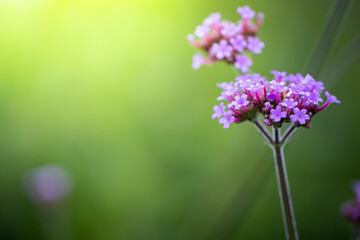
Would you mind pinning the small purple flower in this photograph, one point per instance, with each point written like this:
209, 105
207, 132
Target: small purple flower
289, 103
230, 29
308, 79
313, 97
267, 122
299, 116
238, 43
255, 87
213, 18
318, 86
227, 119
225, 85
246, 12
201, 31
331, 98
268, 105
277, 114
255, 45
218, 111
260, 16
278, 75
293, 78
190, 38
221, 49
296, 88
243, 63
198, 60
228, 91
240, 101
271, 96
278, 86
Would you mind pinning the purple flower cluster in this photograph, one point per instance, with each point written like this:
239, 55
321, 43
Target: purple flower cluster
287, 98
351, 209
227, 41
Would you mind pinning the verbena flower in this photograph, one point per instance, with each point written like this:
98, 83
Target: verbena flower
223, 40
287, 98
243, 63
246, 12
351, 209
255, 45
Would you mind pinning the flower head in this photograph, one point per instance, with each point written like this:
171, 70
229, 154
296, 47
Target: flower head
223, 40
280, 100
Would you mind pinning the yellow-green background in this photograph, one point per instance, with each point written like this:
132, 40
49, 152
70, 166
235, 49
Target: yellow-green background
106, 90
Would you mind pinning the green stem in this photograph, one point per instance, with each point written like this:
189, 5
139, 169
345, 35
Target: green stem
284, 189
324, 42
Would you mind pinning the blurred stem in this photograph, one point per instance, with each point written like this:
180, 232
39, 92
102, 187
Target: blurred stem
345, 61
326, 39
284, 189
357, 236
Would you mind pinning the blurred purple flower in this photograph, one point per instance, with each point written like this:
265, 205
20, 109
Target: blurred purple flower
238, 42
212, 18
243, 63
227, 119
221, 49
47, 184
246, 12
218, 111
198, 60
201, 31
255, 45
230, 29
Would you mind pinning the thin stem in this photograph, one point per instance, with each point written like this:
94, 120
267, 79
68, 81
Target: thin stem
357, 236
289, 132
325, 40
263, 131
284, 190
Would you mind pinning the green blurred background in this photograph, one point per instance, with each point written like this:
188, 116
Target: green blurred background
106, 90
